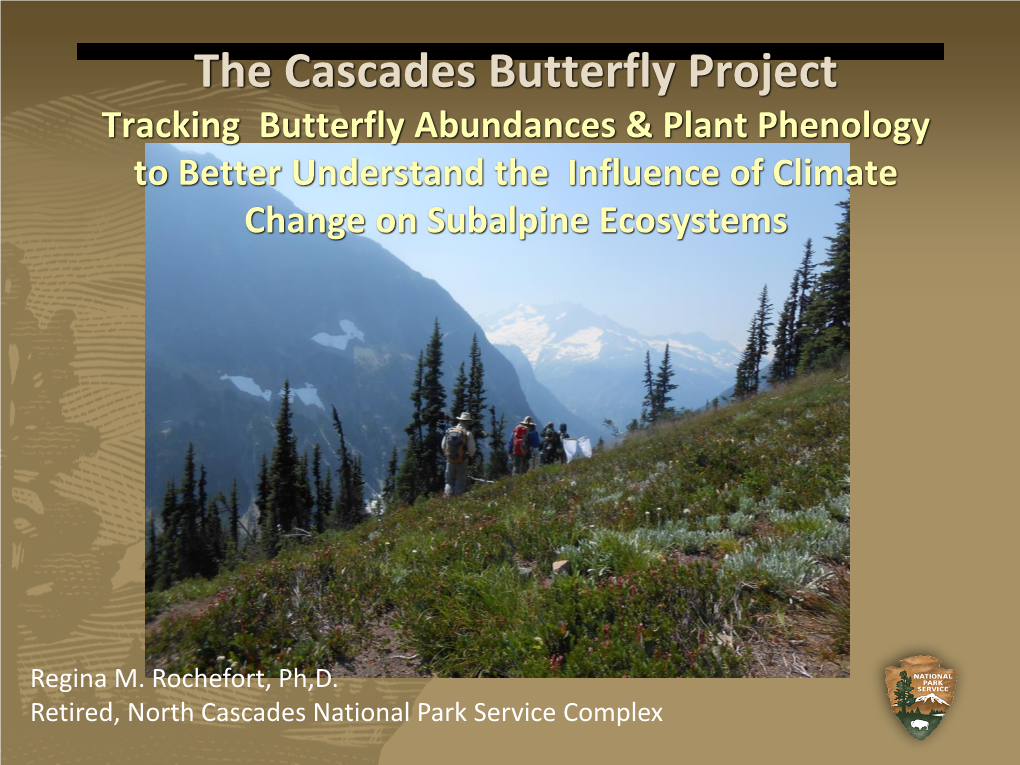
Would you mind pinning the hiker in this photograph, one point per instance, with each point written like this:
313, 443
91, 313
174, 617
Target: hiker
536, 444
524, 442
552, 447
564, 435
459, 449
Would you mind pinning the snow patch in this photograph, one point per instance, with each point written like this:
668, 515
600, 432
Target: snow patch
308, 395
248, 385
350, 332
524, 328
583, 345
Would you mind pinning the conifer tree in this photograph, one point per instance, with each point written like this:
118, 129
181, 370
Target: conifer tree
262, 492
748, 378
459, 394
745, 383
350, 501
305, 495
497, 446
205, 542
664, 386
784, 361
358, 496
476, 404
269, 529
152, 558
214, 542
209, 551
234, 511
345, 476
169, 563
409, 484
764, 321
825, 330
192, 539
389, 491
285, 497
475, 379
326, 499
648, 405
417, 429
188, 512
807, 284
203, 495
322, 505
433, 400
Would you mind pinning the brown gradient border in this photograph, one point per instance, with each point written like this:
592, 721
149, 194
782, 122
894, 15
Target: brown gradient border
934, 523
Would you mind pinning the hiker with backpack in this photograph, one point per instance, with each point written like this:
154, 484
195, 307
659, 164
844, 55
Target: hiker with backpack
459, 449
524, 443
551, 445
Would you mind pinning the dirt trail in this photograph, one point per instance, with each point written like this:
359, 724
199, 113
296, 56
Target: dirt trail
385, 655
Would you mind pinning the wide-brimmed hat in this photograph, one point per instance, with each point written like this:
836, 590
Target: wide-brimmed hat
528, 421
465, 417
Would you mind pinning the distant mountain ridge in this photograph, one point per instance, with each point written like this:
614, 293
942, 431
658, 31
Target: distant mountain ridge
594, 365
230, 316
547, 406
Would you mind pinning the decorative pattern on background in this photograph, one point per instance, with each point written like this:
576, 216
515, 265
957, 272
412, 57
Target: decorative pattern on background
73, 330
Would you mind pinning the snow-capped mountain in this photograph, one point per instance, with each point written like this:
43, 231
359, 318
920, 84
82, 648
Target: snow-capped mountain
595, 365
930, 698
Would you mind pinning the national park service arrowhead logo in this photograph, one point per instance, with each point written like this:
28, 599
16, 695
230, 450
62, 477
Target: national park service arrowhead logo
920, 692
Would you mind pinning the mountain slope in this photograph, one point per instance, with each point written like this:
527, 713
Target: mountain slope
686, 546
231, 315
595, 366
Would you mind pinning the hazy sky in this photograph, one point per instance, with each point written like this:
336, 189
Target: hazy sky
652, 283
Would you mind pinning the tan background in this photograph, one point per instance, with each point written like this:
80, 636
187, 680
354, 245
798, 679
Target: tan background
934, 275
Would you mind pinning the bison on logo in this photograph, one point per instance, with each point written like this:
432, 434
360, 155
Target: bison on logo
920, 691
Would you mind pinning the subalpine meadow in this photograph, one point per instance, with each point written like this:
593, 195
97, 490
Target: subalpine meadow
690, 545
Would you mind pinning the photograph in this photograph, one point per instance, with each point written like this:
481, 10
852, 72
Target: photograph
498, 410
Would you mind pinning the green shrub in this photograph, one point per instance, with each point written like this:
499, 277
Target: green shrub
740, 523
775, 566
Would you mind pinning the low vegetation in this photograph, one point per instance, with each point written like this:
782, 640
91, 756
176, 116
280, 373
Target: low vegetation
686, 543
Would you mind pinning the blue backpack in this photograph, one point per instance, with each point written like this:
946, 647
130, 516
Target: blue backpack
456, 446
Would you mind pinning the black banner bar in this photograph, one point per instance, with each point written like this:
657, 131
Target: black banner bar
360, 51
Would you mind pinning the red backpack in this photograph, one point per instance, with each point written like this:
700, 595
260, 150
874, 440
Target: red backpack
520, 441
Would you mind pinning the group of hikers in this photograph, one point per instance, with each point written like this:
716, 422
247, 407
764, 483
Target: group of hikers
525, 450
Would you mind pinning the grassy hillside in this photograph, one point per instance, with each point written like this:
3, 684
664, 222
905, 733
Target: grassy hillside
689, 547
